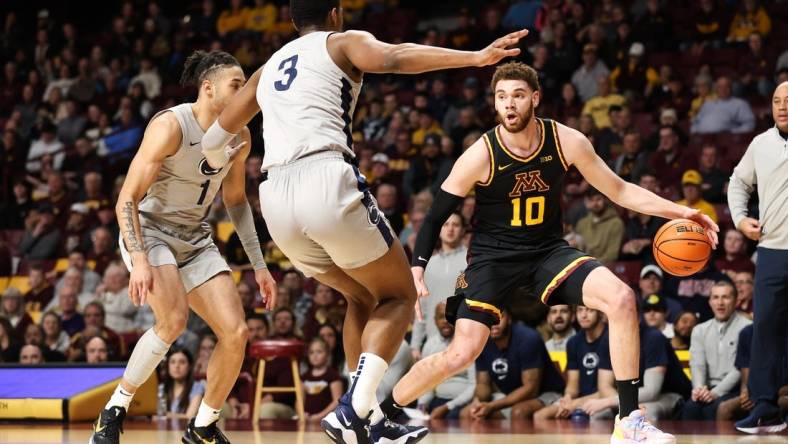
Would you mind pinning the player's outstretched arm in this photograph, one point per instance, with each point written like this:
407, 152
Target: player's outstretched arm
232, 120
162, 138
369, 54
579, 152
240, 212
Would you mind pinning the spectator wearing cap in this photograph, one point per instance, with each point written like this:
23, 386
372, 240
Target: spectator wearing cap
650, 283
42, 237
379, 171
691, 182
13, 309
598, 106
601, 228
76, 228
712, 354
655, 310
723, 114
714, 180
388, 204
671, 160
633, 76
586, 77
427, 170
46, 144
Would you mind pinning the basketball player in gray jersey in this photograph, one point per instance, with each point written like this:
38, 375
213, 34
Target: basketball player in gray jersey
167, 245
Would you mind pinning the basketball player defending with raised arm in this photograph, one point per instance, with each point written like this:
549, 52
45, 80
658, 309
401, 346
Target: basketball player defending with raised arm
167, 245
316, 203
517, 170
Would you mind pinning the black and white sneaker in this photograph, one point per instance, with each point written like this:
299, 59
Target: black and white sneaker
203, 435
108, 426
764, 418
390, 432
343, 426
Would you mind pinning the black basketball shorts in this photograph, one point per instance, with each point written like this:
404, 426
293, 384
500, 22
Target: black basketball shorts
554, 273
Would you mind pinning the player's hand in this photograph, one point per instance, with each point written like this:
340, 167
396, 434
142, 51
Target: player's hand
481, 410
593, 406
439, 412
229, 154
751, 228
267, 286
744, 400
708, 225
421, 289
499, 49
140, 280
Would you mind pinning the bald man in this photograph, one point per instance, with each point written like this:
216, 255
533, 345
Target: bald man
765, 164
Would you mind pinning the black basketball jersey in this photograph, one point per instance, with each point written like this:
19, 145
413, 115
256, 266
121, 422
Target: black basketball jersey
520, 204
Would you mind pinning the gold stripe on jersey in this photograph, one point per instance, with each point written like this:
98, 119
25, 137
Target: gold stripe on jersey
558, 146
484, 307
492, 161
562, 275
514, 156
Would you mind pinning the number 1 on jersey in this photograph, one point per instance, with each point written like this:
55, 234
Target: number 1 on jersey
288, 67
204, 191
529, 211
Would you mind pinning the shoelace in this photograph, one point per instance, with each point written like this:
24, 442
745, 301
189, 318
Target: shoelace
641, 424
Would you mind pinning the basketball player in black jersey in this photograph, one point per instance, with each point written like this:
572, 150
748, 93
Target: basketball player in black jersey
517, 171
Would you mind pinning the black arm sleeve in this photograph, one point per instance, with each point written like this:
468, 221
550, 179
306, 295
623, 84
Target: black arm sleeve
430, 230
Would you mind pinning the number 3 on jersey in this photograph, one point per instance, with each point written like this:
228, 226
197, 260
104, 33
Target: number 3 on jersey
288, 67
530, 218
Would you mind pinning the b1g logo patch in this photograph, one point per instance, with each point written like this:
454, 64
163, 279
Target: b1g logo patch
206, 169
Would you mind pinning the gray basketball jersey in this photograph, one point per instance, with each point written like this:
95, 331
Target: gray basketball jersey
186, 185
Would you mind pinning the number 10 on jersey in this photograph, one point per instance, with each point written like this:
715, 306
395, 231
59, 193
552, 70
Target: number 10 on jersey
532, 216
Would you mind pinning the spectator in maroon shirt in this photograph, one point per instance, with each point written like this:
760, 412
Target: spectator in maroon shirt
734, 254
671, 160
322, 384
278, 371
325, 302
41, 292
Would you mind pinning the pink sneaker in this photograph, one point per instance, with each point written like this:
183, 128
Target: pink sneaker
636, 429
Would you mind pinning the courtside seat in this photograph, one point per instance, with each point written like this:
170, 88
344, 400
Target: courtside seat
277, 348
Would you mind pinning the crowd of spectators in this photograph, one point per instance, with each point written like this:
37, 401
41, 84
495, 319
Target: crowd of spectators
658, 86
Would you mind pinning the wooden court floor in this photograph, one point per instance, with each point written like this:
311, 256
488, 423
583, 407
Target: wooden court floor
479, 432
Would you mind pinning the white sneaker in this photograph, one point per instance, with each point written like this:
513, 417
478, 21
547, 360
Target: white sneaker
635, 429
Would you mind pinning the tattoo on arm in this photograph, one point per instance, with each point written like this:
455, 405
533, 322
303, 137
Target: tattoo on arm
133, 244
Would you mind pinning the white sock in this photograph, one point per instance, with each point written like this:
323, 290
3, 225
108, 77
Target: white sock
371, 369
206, 415
377, 413
119, 398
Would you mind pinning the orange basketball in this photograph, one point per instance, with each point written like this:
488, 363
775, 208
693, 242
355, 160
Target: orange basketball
681, 247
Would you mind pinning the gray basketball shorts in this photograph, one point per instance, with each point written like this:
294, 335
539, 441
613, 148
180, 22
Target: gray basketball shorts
191, 249
320, 212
